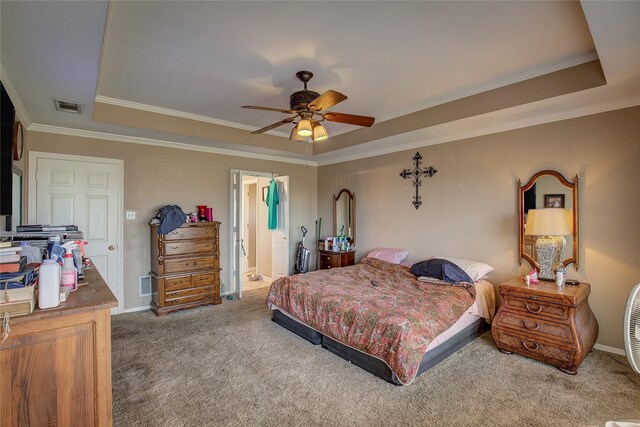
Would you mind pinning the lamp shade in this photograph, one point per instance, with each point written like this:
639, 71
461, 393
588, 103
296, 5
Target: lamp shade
294, 135
319, 132
547, 222
304, 128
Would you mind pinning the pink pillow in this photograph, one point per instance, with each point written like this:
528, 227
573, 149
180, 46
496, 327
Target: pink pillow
394, 256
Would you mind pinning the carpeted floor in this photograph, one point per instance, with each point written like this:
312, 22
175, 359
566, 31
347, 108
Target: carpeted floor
230, 365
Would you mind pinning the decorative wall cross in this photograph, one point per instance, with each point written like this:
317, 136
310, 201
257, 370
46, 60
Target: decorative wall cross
416, 173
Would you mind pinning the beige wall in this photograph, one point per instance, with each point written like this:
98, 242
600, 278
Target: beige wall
156, 176
470, 206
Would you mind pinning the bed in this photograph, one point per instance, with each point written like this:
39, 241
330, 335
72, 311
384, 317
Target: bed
381, 318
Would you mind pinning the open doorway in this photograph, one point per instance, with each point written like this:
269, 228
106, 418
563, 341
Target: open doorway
256, 242
257, 252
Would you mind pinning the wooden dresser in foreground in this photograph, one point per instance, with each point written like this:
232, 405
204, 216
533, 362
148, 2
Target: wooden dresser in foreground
185, 267
331, 259
55, 366
550, 324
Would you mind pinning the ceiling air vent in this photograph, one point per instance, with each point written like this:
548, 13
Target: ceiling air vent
67, 106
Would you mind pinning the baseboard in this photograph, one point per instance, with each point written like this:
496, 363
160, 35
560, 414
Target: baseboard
134, 309
610, 349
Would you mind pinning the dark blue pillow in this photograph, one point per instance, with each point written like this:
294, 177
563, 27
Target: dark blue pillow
440, 269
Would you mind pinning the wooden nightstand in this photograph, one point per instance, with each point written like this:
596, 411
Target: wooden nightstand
554, 326
331, 259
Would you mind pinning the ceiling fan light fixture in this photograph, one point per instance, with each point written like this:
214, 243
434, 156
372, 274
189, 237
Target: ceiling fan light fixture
319, 132
294, 135
304, 128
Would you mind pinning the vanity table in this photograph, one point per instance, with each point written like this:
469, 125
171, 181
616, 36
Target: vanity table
331, 259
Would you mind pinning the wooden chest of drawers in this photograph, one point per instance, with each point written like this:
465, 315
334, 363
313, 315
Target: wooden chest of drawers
185, 267
331, 259
550, 324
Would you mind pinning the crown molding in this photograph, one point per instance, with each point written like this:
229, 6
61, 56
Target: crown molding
37, 127
494, 84
517, 124
340, 156
180, 114
21, 111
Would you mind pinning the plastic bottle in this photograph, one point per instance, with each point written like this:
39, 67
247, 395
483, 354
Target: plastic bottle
49, 284
32, 253
560, 276
69, 270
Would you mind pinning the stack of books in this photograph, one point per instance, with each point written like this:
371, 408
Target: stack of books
11, 259
17, 281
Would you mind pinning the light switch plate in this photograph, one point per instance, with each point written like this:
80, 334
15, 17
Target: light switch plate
131, 215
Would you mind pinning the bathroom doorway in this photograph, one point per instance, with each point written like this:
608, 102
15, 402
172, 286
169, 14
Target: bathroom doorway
259, 255
256, 243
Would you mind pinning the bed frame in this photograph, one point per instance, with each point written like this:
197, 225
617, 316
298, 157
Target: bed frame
372, 364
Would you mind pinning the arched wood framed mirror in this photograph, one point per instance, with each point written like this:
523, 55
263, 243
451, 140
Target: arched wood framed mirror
549, 189
344, 214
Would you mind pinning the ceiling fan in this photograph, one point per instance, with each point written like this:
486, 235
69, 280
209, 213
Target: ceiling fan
309, 109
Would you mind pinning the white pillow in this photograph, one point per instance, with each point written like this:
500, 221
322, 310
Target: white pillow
475, 269
392, 255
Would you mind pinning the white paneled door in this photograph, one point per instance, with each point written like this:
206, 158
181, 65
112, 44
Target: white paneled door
84, 191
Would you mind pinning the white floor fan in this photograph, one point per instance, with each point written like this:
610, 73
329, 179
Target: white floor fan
632, 329
631, 344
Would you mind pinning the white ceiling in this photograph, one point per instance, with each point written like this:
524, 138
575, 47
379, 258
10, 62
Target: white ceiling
390, 58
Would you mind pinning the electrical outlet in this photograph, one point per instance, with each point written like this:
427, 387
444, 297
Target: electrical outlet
131, 215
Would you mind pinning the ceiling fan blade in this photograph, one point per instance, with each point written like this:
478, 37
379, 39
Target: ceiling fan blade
326, 100
280, 110
350, 119
275, 125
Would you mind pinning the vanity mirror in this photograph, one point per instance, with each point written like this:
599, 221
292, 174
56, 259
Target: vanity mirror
548, 222
344, 214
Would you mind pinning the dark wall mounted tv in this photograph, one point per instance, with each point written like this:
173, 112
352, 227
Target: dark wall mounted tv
7, 119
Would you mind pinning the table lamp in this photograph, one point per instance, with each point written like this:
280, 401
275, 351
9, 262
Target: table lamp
552, 225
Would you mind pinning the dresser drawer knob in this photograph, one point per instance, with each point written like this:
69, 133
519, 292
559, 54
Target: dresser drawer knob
534, 348
535, 325
532, 310
173, 294
173, 247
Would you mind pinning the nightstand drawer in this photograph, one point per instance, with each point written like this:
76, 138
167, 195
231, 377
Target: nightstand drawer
326, 264
536, 326
536, 349
537, 307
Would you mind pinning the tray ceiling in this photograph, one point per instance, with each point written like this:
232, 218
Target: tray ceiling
200, 61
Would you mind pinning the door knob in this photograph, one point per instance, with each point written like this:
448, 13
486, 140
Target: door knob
112, 247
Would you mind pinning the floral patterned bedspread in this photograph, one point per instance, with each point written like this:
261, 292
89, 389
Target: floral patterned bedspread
394, 321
